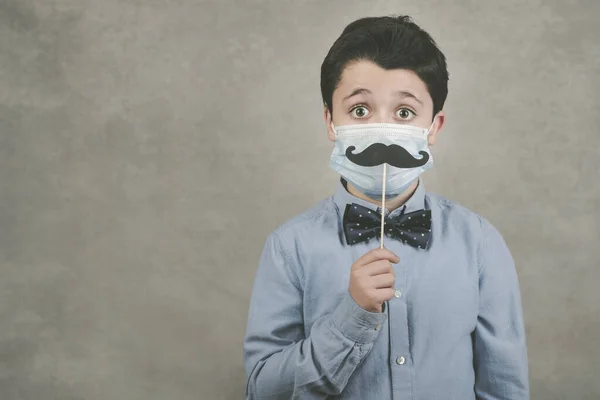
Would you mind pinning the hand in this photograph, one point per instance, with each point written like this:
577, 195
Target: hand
372, 279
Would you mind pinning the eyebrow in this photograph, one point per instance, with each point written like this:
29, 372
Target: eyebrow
357, 91
404, 93
401, 93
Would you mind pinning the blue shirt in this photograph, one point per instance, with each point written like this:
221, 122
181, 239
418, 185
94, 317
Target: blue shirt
453, 330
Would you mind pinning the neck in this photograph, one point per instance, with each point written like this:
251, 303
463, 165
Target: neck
390, 204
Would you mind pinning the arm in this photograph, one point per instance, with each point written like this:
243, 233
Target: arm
500, 353
280, 362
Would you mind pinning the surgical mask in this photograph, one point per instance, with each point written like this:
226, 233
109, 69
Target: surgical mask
361, 150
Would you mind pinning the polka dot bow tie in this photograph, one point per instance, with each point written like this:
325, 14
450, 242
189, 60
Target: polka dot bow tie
362, 224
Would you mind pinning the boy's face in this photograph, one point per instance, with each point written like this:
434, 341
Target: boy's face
368, 93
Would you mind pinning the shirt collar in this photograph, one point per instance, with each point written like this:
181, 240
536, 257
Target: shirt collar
415, 202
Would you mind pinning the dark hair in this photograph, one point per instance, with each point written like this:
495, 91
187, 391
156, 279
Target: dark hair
390, 42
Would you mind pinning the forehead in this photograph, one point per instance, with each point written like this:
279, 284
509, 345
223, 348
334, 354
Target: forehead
368, 75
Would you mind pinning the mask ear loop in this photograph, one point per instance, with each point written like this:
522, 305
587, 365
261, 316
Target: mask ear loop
429, 130
333, 128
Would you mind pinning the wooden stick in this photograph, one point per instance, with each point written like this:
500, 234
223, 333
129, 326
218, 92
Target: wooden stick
383, 205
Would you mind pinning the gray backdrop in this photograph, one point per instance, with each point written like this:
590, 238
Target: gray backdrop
148, 147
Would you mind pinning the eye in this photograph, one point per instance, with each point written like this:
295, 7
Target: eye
359, 112
405, 114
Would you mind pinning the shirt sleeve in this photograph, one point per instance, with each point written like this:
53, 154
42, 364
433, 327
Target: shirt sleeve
282, 362
500, 353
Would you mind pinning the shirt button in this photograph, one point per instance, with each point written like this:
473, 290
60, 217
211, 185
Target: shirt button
397, 294
400, 360
377, 327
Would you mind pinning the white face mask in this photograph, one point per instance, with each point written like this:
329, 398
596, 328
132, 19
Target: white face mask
361, 150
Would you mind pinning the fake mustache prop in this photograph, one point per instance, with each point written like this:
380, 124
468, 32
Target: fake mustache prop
379, 153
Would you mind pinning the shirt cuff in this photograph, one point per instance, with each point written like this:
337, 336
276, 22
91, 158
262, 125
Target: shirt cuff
356, 323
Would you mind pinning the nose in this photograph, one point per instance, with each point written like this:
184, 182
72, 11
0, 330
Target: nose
383, 118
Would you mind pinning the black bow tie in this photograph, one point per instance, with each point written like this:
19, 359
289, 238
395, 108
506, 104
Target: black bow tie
361, 224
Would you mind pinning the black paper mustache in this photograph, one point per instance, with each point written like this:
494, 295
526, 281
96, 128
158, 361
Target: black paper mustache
379, 153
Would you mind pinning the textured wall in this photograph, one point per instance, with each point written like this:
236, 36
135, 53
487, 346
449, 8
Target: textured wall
148, 147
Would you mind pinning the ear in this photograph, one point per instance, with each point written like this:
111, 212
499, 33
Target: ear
438, 123
327, 116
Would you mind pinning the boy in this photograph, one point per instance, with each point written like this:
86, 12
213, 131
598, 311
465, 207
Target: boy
435, 314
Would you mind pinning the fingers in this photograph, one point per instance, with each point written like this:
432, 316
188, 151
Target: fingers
385, 294
378, 268
375, 255
372, 279
383, 281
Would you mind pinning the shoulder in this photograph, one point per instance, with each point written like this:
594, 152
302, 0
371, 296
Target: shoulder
474, 228
315, 221
457, 216
315, 213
